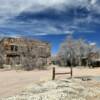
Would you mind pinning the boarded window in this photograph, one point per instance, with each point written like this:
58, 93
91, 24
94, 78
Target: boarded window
12, 59
14, 48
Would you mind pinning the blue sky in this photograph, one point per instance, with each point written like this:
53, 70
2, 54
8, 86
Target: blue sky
50, 20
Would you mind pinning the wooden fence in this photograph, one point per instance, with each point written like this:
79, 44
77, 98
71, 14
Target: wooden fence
54, 73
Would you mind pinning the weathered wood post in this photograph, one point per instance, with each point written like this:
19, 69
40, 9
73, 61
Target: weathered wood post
71, 71
71, 59
53, 73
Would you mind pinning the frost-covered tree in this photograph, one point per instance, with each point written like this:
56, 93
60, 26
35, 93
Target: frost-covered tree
72, 51
1, 55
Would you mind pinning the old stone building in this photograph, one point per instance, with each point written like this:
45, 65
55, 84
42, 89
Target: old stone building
24, 53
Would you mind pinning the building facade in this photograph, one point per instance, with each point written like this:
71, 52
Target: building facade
23, 52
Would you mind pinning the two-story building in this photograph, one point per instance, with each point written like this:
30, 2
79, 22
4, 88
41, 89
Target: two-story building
23, 52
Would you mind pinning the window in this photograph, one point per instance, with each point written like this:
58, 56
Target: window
14, 48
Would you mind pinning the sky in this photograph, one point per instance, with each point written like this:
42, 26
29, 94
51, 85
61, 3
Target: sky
50, 20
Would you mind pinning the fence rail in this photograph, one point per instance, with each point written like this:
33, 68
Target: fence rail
54, 73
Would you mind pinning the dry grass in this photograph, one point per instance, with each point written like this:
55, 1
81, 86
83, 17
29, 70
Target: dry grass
15, 81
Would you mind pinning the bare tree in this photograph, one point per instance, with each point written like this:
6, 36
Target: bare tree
66, 52
1, 56
74, 51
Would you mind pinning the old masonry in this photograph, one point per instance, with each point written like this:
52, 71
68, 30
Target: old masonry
24, 53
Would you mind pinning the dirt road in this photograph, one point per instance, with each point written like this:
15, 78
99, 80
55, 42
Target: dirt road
13, 82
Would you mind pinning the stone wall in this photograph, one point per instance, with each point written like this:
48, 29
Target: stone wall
27, 53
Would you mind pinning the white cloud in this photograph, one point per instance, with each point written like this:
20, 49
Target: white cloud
92, 43
12, 8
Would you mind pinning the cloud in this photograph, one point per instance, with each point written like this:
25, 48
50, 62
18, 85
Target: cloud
11, 8
92, 43
31, 17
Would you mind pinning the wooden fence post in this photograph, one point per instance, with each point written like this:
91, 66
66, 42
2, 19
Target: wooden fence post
71, 71
53, 73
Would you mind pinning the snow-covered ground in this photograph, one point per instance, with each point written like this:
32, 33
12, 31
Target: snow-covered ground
64, 89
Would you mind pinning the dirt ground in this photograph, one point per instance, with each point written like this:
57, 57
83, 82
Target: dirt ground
12, 82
